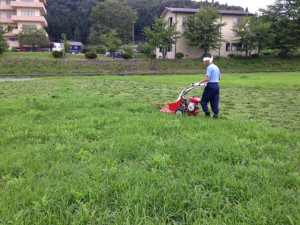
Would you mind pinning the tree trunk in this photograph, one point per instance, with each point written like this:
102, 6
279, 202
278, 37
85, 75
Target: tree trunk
164, 52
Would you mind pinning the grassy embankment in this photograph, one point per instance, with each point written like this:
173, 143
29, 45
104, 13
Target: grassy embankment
95, 150
32, 63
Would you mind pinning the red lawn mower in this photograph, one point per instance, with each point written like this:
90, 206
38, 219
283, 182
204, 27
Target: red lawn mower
190, 107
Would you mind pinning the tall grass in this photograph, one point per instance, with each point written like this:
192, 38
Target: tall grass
44, 63
96, 151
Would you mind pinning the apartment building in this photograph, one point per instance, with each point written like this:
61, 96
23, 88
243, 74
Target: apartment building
180, 15
21, 14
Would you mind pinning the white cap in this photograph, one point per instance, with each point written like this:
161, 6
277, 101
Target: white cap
208, 59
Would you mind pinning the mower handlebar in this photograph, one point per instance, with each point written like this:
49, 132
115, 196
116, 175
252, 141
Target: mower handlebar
189, 88
198, 85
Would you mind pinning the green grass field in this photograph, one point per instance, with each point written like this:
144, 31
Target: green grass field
95, 150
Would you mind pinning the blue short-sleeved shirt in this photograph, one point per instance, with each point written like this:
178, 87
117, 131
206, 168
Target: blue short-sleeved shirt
213, 72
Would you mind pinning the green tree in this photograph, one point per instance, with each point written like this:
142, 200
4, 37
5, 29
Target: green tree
261, 32
111, 41
245, 36
113, 14
3, 43
33, 37
146, 49
66, 43
284, 16
203, 29
162, 35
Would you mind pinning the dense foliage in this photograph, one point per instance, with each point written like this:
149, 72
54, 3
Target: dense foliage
73, 16
112, 14
284, 17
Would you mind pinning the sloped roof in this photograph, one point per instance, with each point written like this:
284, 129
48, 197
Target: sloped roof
187, 10
76, 43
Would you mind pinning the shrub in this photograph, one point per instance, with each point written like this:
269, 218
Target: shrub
179, 55
255, 56
152, 56
91, 55
126, 55
231, 55
57, 54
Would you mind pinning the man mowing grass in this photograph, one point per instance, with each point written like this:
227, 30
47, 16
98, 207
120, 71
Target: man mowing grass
211, 91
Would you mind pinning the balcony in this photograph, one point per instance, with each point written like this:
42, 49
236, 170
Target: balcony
6, 8
6, 20
32, 5
38, 19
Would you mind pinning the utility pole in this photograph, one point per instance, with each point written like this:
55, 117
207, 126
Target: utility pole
133, 33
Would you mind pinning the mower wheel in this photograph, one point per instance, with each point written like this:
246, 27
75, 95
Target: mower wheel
179, 112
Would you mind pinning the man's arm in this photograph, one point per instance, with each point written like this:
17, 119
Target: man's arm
205, 80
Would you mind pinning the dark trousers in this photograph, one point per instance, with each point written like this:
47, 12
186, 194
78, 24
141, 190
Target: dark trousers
211, 94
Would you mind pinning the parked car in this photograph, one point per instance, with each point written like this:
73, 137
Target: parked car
58, 47
117, 54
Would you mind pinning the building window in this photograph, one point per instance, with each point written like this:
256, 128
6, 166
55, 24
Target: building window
227, 47
170, 21
170, 49
235, 46
184, 20
9, 15
236, 21
13, 39
29, 27
0, 15
27, 0
1, 27
27, 13
7, 2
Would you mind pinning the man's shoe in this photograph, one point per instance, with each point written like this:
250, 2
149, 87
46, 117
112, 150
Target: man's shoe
207, 114
216, 116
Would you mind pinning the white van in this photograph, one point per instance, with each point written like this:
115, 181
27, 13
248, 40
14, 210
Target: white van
58, 47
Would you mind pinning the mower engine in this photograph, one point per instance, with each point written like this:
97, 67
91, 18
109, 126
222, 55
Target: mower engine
190, 106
